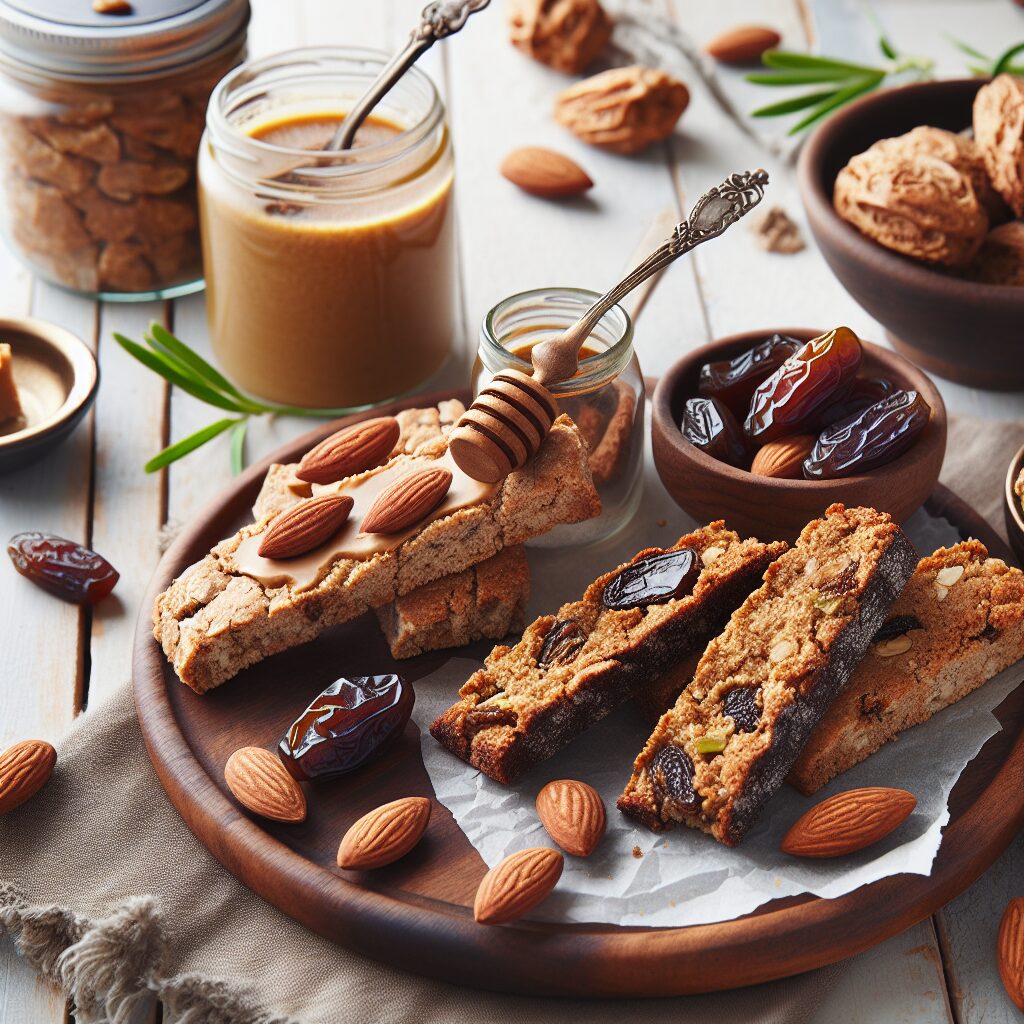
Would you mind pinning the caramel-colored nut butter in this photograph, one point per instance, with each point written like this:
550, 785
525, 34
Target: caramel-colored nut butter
338, 298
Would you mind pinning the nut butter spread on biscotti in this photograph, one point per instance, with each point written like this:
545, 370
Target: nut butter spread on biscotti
570, 669
719, 754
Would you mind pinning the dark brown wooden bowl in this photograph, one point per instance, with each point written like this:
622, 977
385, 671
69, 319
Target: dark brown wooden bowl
1012, 509
961, 330
778, 509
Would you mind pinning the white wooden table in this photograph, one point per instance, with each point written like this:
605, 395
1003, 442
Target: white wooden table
57, 661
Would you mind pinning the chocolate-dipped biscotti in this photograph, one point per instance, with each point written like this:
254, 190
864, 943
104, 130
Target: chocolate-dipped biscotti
570, 669
719, 754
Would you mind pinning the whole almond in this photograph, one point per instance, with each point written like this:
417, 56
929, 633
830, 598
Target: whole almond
305, 526
516, 885
743, 44
352, 450
1010, 951
543, 172
385, 834
259, 781
573, 814
24, 770
783, 459
848, 821
408, 500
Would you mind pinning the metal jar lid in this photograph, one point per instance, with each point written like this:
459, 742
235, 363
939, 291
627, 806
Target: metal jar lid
67, 37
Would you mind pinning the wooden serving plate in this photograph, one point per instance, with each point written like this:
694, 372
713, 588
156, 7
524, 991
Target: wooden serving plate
417, 913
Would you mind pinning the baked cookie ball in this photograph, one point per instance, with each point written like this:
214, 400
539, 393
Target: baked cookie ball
999, 133
916, 205
1001, 257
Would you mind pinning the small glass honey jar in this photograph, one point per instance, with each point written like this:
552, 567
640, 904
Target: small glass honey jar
605, 398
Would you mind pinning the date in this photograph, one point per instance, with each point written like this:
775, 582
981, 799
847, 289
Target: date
653, 580
711, 427
789, 400
63, 568
733, 381
864, 391
869, 439
350, 723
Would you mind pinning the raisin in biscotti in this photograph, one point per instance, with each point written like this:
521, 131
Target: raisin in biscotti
724, 748
486, 602
216, 619
570, 669
959, 622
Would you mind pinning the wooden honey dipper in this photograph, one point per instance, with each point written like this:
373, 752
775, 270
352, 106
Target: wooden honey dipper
508, 421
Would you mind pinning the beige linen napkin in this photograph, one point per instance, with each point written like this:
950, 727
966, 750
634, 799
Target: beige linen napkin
107, 893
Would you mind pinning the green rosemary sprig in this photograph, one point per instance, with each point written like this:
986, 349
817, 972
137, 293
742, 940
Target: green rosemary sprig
183, 367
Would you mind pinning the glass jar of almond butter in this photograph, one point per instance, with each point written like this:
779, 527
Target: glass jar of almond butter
101, 114
605, 398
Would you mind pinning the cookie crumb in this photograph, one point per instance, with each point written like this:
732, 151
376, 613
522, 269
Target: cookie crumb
775, 231
637, 852
663, 522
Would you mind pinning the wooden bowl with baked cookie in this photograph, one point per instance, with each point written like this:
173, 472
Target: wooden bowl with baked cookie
1013, 503
958, 328
772, 508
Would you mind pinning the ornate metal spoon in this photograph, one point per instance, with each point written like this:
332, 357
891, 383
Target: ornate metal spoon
437, 21
510, 418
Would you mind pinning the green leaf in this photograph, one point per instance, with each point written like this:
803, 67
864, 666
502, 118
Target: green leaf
969, 50
837, 100
188, 444
159, 363
800, 76
785, 59
193, 360
793, 104
1004, 62
887, 48
238, 446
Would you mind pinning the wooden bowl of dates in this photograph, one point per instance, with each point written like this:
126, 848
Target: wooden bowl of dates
774, 507
1013, 508
960, 329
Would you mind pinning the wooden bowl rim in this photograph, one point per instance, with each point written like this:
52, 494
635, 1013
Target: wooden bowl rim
874, 257
1012, 502
934, 434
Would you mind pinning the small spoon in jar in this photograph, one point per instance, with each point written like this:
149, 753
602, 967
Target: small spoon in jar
510, 418
437, 21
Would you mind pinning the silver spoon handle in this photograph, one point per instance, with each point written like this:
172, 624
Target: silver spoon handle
716, 210
437, 21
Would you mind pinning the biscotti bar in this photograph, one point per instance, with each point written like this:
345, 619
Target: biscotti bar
235, 607
485, 602
570, 669
719, 754
959, 622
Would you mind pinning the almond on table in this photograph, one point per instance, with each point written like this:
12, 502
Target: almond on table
573, 815
24, 769
517, 885
259, 781
384, 834
848, 822
543, 172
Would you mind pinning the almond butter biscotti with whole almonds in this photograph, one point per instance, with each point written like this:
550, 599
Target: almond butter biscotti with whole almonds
719, 754
234, 607
570, 669
959, 622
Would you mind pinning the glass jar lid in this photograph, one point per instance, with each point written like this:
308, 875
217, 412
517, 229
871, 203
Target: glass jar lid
67, 37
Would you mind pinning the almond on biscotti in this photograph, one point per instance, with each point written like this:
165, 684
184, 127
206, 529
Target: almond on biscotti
24, 769
259, 781
352, 450
848, 822
385, 834
305, 526
408, 500
573, 814
517, 885
543, 172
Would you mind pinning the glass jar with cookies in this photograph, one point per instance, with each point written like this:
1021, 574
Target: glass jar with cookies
101, 113
605, 398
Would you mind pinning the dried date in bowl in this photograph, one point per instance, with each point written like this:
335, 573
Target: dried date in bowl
353, 721
710, 426
868, 439
733, 381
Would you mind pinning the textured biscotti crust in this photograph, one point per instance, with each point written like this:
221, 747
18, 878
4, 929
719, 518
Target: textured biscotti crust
959, 634
788, 651
418, 427
514, 713
212, 622
485, 602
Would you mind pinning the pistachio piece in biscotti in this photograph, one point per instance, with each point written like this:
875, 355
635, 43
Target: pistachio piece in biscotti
999, 133
916, 205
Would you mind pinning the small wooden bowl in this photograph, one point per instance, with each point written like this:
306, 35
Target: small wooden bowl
1012, 510
779, 509
959, 329
56, 376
